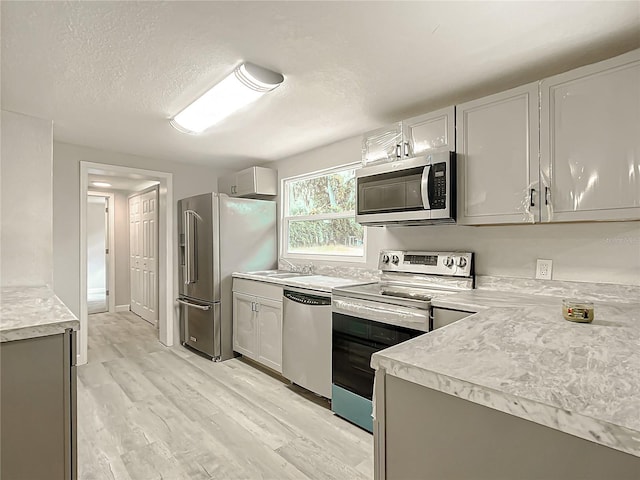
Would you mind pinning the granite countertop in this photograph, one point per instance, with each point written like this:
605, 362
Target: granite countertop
29, 312
518, 355
320, 283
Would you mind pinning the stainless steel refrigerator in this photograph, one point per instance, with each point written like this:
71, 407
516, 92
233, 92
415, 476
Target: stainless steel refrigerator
219, 235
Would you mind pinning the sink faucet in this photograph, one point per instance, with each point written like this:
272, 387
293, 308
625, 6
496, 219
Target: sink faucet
309, 269
293, 267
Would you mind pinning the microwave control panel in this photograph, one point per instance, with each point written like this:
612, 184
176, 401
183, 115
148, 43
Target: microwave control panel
439, 199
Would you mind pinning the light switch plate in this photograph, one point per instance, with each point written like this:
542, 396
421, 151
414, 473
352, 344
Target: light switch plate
543, 269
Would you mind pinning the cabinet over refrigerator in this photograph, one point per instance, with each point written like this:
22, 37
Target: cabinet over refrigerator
218, 235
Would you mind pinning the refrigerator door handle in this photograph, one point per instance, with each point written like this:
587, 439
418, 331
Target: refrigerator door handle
191, 247
194, 305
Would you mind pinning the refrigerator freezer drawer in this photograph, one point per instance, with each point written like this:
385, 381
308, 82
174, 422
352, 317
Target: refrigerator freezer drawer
200, 326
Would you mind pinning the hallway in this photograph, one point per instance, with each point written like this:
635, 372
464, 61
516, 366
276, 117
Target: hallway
146, 411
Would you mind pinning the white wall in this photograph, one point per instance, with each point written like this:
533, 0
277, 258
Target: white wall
606, 252
96, 244
187, 180
26, 215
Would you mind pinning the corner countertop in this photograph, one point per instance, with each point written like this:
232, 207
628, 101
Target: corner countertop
520, 356
30, 312
319, 283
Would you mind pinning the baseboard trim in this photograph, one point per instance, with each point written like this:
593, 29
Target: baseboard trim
122, 308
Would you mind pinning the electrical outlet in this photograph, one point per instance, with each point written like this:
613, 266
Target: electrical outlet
543, 269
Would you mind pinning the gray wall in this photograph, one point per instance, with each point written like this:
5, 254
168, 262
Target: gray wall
587, 252
121, 247
26, 214
187, 180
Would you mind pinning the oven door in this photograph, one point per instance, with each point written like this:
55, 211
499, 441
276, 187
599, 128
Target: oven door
354, 340
412, 192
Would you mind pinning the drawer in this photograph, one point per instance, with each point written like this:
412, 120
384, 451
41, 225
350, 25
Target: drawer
258, 289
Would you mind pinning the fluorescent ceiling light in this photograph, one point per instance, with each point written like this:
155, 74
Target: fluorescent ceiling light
246, 84
100, 184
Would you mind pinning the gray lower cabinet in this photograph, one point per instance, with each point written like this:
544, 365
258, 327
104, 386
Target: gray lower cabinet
425, 434
38, 408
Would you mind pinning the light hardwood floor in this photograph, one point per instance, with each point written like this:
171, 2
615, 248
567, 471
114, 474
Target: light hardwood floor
150, 412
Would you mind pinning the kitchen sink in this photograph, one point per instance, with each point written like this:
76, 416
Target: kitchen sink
280, 274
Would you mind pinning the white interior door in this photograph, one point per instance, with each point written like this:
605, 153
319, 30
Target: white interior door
143, 248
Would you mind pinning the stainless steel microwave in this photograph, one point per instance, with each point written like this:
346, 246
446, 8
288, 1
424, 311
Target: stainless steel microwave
417, 191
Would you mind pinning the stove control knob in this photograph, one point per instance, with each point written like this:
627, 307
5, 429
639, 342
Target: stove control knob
385, 258
448, 262
395, 260
462, 262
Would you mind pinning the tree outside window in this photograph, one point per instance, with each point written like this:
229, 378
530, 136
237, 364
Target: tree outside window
319, 215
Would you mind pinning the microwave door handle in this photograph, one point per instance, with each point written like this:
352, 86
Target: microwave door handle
424, 187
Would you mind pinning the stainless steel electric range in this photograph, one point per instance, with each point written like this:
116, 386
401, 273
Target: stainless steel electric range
369, 318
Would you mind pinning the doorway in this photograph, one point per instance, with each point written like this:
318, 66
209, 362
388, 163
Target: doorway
100, 259
164, 247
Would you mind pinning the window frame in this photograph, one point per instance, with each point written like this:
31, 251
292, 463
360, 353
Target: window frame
285, 219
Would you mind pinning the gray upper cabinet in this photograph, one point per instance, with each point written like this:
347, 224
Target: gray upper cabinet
253, 182
590, 142
410, 137
497, 151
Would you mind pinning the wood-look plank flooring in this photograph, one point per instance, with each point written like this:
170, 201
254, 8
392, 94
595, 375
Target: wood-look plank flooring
146, 412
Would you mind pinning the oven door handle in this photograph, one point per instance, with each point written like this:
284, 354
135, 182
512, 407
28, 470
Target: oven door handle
424, 187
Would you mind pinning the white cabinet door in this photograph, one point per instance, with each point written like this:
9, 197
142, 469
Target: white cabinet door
431, 131
497, 146
269, 320
590, 141
244, 325
382, 145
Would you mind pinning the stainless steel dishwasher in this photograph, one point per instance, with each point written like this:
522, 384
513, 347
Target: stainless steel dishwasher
306, 339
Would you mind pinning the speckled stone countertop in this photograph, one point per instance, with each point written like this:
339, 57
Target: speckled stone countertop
518, 355
29, 312
320, 283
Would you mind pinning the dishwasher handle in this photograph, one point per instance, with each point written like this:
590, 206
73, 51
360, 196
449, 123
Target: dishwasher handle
306, 299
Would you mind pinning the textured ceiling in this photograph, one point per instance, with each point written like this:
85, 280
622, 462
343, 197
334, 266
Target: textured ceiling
110, 74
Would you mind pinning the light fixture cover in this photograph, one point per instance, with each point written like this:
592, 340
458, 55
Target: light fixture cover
244, 85
100, 184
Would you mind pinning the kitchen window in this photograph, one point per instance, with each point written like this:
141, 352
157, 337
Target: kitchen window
319, 216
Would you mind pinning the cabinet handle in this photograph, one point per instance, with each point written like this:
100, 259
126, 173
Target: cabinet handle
253, 306
398, 151
531, 200
257, 307
406, 149
546, 195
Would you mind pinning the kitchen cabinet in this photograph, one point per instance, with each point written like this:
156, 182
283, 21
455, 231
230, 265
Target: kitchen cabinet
253, 182
497, 152
587, 165
38, 408
456, 438
590, 142
257, 322
410, 137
